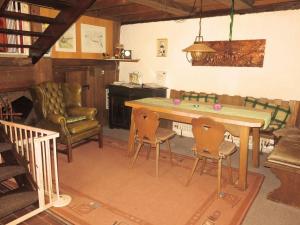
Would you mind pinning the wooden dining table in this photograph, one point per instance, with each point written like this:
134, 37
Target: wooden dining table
238, 120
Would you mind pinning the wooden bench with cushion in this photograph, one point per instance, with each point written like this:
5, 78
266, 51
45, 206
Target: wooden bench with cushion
284, 113
284, 162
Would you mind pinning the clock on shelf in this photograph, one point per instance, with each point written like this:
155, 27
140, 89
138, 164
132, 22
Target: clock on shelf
126, 54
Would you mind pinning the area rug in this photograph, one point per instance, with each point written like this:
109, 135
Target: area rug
106, 191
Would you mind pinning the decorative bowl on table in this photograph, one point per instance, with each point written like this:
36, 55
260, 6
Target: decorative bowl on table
176, 101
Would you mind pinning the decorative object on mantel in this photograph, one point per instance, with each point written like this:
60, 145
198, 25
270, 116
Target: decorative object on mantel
242, 53
118, 49
135, 78
126, 54
199, 47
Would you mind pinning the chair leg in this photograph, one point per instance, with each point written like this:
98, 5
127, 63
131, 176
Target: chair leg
219, 177
157, 158
203, 165
229, 170
148, 152
69, 149
170, 151
193, 171
136, 154
100, 137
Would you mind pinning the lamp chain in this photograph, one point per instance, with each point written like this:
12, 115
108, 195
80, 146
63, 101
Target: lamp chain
231, 19
200, 18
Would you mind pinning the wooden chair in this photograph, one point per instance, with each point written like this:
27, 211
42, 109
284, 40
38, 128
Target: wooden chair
209, 143
147, 131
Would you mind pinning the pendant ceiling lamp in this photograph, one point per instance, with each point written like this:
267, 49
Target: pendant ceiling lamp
197, 49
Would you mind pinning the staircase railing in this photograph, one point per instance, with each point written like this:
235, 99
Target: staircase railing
38, 148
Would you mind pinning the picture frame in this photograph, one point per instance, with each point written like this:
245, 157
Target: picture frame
135, 78
93, 39
162, 47
67, 42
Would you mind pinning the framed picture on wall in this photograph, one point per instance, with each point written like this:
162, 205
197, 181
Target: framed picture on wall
93, 39
162, 47
67, 42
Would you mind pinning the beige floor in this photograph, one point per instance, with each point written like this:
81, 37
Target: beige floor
263, 211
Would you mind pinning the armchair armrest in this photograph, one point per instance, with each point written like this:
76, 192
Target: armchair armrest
58, 123
90, 113
57, 119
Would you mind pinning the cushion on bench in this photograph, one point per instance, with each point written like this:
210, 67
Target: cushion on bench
286, 152
280, 114
200, 97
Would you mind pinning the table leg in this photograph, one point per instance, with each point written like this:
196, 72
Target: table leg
131, 136
244, 137
255, 146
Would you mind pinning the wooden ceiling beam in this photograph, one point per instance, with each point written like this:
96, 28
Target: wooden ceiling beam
172, 9
212, 13
95, 13
145, 17
131, 9
238, 4
107, 4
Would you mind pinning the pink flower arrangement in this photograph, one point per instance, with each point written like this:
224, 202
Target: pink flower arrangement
176, 101
217, 106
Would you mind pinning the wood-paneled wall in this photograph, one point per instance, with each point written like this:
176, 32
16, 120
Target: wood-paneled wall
93, 75
19, 74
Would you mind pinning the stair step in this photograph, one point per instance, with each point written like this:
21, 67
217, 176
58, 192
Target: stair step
8, 172
13, 202
29, 17
23, 32
70, 15
5, 147
17, 46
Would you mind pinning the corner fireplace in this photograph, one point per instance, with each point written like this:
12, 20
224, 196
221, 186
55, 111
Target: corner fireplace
17, 106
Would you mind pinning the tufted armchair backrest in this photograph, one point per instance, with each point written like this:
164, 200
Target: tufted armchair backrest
54, 98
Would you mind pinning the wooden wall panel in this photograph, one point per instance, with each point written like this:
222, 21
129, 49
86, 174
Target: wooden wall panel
16, 75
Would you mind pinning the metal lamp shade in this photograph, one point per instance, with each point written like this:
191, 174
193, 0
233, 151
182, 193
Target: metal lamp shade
197, 49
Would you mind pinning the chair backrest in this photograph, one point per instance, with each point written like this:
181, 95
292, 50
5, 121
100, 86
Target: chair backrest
146, 123
54, 98
208, 135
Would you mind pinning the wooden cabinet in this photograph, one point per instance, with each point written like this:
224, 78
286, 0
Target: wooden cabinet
119, 114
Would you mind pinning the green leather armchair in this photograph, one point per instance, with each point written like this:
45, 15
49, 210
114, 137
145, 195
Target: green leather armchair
58, 108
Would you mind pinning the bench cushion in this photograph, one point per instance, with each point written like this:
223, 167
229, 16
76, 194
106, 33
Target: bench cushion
200, 97
287, 152
280, 114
